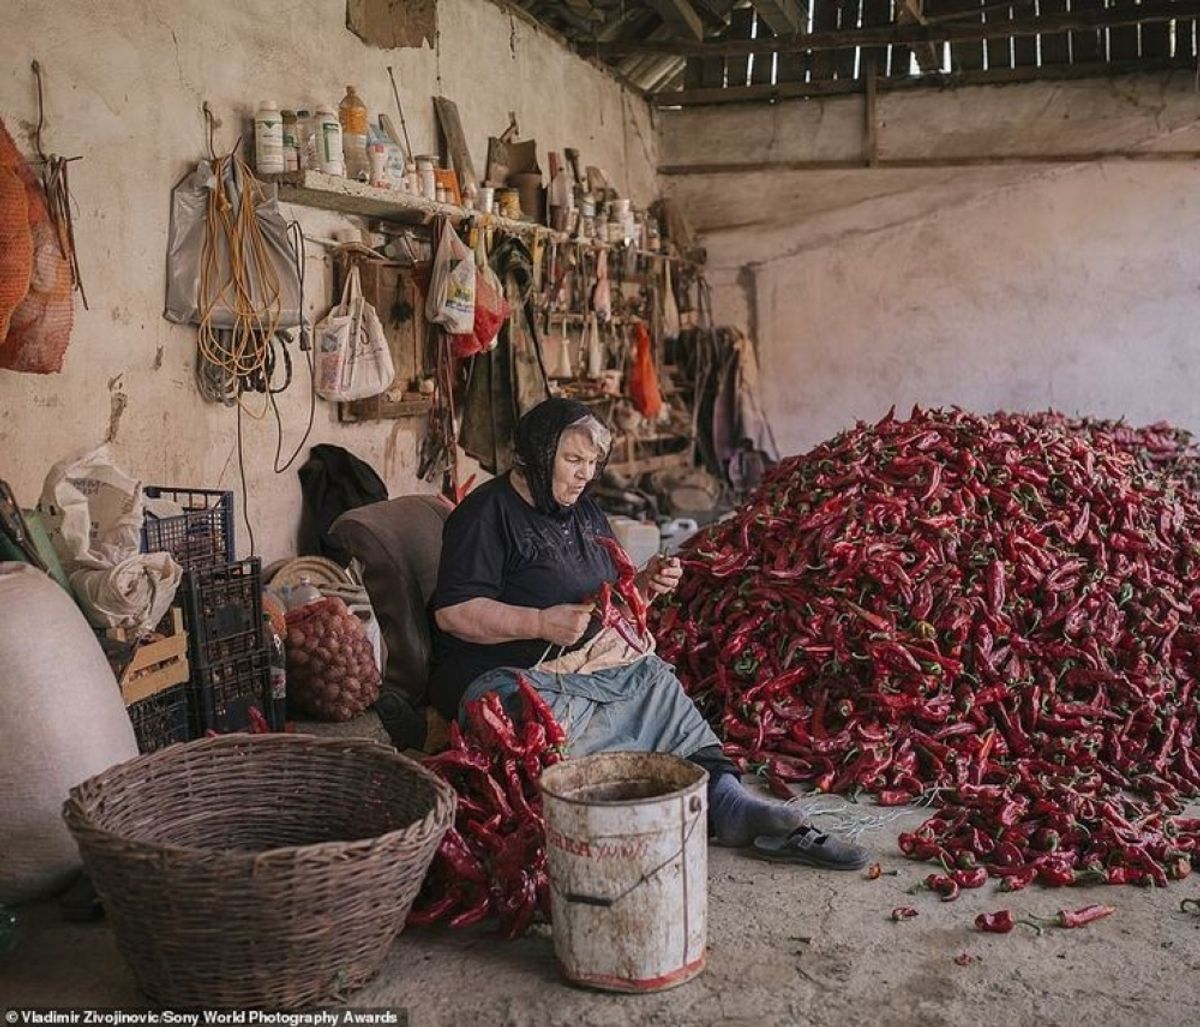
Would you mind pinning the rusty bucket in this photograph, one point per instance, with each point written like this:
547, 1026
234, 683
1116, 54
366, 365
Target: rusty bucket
627, 846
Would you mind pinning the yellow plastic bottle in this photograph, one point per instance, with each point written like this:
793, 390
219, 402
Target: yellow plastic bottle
352, 113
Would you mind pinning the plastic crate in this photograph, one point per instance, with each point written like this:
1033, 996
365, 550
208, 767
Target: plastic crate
222, 693
199, 537
161, 719
222, 611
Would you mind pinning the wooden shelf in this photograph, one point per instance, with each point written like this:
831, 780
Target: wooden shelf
345, 196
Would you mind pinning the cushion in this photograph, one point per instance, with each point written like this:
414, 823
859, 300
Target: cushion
398, 542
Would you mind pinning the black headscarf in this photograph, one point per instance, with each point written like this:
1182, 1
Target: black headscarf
535, 444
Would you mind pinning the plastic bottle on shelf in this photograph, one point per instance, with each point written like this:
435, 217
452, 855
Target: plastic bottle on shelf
328, 131
352, 113
304, 139
276, 701
268, 139
291, 142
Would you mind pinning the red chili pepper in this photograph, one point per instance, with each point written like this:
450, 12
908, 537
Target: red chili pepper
945, 885
975, 878
1077, 917
904, 913
996, 923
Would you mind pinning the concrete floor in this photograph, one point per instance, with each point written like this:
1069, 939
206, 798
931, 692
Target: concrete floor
786, 946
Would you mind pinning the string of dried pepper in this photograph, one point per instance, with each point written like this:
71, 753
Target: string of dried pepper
998, 614
493, 861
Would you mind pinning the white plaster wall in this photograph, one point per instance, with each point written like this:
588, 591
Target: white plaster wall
1075, 286
125, 81
1080, 291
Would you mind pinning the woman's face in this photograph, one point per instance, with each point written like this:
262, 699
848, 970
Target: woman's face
575, 465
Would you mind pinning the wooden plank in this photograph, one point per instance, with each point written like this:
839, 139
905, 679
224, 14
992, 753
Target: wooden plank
928, 55
680, 16
1123, 39
1054, 44
876, 12
783, 17
998, 50
793, 67
849, 87
1024, 51
968, 54
845, 60
712, 73
456, 143
741, 22
908, 35
825, 19
692, 73
1087, 44
763, 70
1156, 40
1184, 44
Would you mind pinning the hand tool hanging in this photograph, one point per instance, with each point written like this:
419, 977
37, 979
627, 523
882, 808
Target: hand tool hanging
58, 193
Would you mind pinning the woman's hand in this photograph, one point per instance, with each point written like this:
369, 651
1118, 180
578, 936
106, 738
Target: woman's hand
564, 624
660, 576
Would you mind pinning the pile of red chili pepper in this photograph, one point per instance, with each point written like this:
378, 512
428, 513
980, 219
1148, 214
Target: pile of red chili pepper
997, 615
492, 862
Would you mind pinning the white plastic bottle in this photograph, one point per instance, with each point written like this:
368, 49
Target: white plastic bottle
304, 139
352, 113
328, 131
268, 139
291, 141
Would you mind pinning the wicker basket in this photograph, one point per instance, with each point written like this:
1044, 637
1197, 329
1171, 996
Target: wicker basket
259, 871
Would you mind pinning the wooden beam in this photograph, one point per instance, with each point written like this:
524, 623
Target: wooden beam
848, 87
784, 16
912, 12
1150, 12
681, 16
911, 163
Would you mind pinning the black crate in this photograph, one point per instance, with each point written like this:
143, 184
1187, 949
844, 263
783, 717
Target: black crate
199, 537
161, 719
223, 692
222, 611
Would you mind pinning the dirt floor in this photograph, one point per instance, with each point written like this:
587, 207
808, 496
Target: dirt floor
786, 946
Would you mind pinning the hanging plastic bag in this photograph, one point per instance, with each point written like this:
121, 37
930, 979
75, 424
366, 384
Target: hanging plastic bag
491, 310
451, 299
354, 360
670, 309
643, 378
602, 293
593, 348
273, 280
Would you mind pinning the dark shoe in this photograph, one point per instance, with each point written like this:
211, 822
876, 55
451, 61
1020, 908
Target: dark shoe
80, 903
404, 724
809, 846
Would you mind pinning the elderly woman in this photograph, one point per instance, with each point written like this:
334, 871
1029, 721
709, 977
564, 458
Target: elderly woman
520, 563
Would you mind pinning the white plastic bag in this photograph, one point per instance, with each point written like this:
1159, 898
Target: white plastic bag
451, 299
353, 357
93, 511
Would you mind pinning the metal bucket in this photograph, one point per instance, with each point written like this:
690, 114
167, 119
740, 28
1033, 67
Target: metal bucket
627, 846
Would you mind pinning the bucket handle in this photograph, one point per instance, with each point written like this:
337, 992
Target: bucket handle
606, 903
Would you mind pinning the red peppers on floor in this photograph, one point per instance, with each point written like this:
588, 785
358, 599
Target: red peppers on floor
1077, 917
997, 615
996, 923
493, 861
